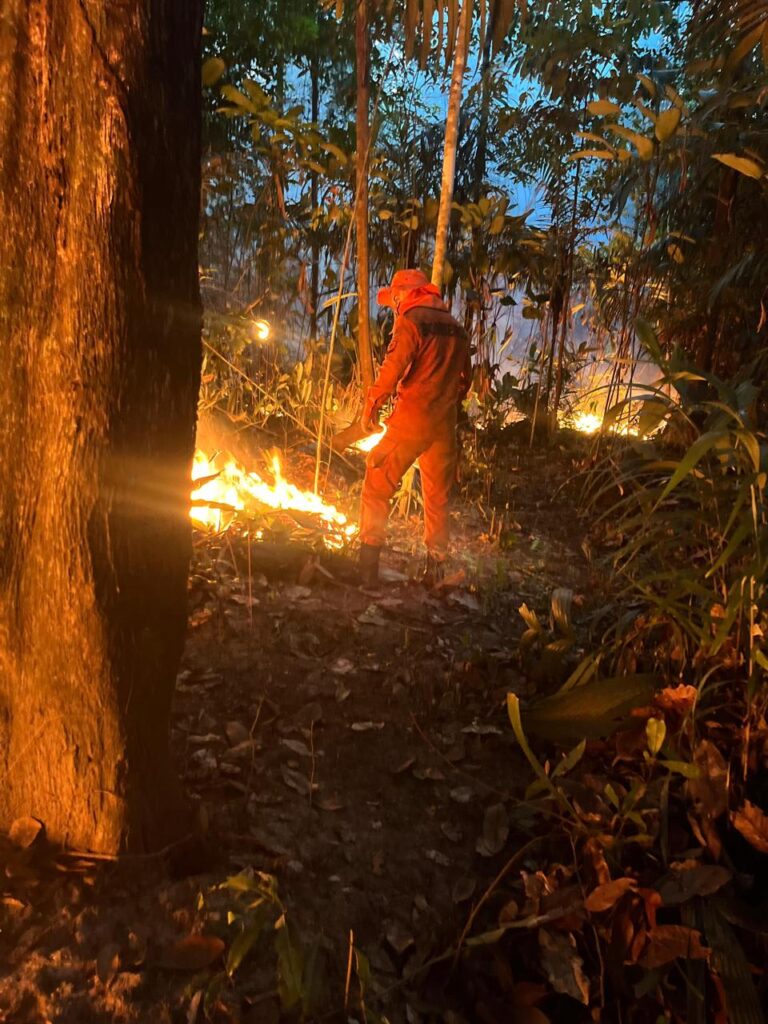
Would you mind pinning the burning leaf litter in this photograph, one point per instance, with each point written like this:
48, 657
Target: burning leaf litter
227, 488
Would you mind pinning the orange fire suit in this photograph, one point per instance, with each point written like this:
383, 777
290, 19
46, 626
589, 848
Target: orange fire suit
428, 366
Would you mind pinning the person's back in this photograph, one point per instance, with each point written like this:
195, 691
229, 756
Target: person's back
429, 393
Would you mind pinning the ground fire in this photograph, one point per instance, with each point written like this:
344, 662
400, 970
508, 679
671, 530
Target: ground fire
228, 488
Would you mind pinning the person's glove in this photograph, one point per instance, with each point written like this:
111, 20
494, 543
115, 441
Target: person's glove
370, 418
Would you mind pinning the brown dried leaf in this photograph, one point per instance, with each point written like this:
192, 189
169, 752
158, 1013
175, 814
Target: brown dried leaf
709, 791
607, 895
667, 942
752, 823
331, 803
563, 965
690, 879
679, 699
108, 963
463, 889
192, 953
24, 831
495, 831
296, 781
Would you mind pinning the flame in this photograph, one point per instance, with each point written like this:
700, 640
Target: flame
367, 444
237, 490
592, 423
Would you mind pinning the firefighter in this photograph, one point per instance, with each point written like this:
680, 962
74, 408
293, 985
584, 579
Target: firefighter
428, 368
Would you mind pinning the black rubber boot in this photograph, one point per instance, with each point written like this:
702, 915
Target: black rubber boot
369, 565
434, 571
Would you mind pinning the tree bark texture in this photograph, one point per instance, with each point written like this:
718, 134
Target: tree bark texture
99, 374
361, 199
451, 144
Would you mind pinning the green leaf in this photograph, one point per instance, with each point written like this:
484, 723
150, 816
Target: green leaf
290, 967
603, 108
655, 733
336, 151
245, 942
213, 69
644, 146
653, 411
745, 46
593, 711
648, 339
692, 458
570, 760
592, 154
743, 164
667, 123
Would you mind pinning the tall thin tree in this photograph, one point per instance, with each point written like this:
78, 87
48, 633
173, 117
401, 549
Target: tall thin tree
451, 144
362, 51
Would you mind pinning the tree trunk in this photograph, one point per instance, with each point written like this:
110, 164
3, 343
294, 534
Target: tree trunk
315, 198
100, 341
451, 144
361, 200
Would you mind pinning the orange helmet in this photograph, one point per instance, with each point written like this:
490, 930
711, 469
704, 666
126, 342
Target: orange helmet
403, 281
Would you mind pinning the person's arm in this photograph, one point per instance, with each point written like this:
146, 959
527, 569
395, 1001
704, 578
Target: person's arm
402, 350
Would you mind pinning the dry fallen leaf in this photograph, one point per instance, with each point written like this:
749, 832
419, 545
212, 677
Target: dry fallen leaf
430, 774
24, 831
563, 965
495, 831
297, 747
463, 889
296, 781
399, 938
689, 879
607, 895
193, 953
752, 823
236, 733
108, 963
709, 791
667, 942
331, 803
342, 667
462, 794
679, 699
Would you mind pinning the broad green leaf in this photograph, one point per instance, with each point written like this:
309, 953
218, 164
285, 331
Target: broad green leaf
336, 151
648, 339
290, 966
213, 69
743, 164
603, 108
667, 123
643, 146
653, 411
592, 711
746, 45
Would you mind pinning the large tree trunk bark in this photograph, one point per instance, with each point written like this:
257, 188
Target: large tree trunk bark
451, 143
100, 342
361, 208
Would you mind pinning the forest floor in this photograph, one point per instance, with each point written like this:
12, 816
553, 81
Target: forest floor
352, 766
